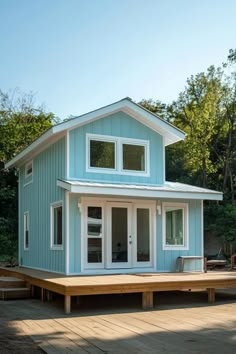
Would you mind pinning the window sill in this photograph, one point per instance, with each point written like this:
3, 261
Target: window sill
175, 248
56, 248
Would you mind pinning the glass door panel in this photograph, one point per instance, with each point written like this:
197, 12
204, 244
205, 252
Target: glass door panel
119, 234
143, 235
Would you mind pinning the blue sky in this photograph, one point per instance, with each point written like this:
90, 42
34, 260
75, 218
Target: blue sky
79, 55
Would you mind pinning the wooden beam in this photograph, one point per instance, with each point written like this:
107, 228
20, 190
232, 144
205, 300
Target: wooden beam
211, 295
147, 300
67, 304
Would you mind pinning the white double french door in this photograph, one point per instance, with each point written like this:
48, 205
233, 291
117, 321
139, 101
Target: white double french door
118, 234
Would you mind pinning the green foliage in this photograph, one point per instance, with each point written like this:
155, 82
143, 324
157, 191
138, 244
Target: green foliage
220, 220
20, 124
198, 111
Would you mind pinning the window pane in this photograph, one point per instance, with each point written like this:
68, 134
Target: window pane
29, 168
102, 154
26, 229
94, 250
119, 234
143, 234
94, 221
174, 227
57, 226
133, 157
26, 239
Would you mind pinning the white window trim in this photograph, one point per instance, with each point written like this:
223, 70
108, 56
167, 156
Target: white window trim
84, 240
118, 141
185, 208
27, 175
26, 215
52, 245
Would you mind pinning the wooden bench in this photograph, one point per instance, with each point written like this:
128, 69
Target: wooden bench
181, 261
212, 263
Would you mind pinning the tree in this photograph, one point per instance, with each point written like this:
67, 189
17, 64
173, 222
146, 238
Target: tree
21, 122
198, 111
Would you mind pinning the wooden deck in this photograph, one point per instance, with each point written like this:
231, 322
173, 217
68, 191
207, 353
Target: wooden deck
183, 328
146, 283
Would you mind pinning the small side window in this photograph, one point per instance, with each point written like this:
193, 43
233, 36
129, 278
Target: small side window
26, 230
29, 169
175, 226
56, 226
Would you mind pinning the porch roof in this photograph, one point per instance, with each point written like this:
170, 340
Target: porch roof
172, 190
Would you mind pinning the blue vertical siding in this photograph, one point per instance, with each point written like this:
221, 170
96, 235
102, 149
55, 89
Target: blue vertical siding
75, 235
36, 198
166, 259
119, 125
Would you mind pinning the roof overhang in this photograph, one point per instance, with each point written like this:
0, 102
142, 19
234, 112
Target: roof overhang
168, 190
170, 133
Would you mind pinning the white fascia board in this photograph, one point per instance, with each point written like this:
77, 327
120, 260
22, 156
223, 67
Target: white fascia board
171, 133
89, 117
136, 192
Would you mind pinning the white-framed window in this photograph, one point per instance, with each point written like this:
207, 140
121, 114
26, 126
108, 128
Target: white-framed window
109, 154
29, 169
175, 226
94, 234
26, 230
57, 226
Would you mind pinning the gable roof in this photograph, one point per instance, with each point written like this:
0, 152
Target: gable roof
170, 133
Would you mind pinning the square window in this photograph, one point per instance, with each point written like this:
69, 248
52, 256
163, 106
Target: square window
102, 154
133, 157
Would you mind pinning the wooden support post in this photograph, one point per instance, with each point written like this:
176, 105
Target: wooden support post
32, 289
147, 303
78, 300
232, 259
42, 294
211, 295
49, 295
67, 304
205, 264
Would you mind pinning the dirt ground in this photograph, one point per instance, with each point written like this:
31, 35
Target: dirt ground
14, 341
10, 343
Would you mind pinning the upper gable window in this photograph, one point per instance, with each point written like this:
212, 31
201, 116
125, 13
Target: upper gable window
117, 155
29, 169
102, 154
133, 157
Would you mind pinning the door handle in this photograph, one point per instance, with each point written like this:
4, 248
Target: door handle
130, 242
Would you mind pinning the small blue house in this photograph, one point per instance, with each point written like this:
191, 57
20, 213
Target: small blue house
93, 198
